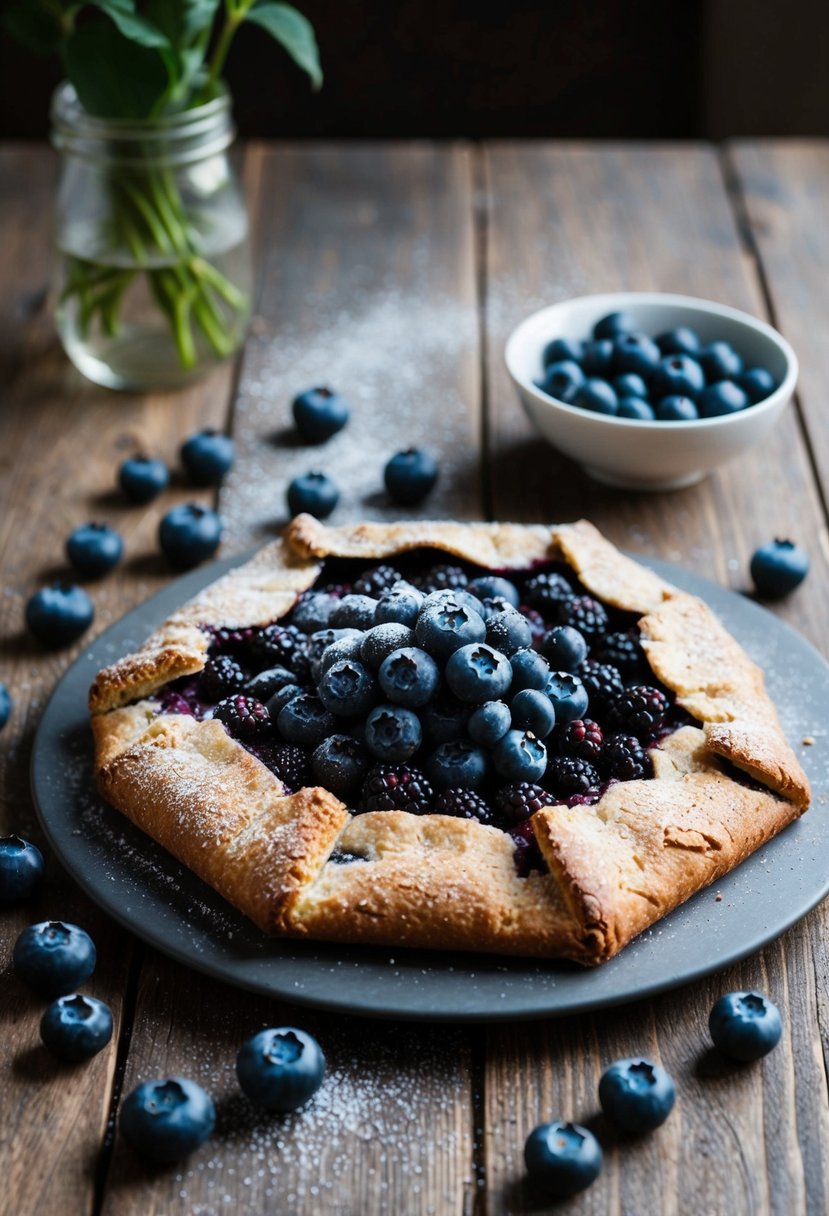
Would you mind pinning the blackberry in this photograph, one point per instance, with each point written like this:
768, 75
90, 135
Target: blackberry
396, 787
221, 676
527, 856
581, 738
623, 651
585, 614
375, 581
602, 681
246, 718
465, 804
639, 710
515, 803
284, 646
230, 641
443, 577
537, 624
290, 764
568, 776
547, 592
626, 758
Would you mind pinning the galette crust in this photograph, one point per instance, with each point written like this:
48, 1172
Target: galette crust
435, 881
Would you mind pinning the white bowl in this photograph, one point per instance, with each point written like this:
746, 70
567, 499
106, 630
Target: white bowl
641, 455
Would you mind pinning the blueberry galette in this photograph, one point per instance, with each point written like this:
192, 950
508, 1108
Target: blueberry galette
461, 736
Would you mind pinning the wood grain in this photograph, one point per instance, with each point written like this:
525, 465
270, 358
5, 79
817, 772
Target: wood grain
567, 221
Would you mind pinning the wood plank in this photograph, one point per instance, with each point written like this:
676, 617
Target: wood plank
61, 440
367, 280
563, 221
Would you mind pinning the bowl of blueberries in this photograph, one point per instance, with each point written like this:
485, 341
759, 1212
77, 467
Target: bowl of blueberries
649, 391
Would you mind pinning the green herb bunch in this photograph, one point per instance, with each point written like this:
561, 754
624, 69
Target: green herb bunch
150, 63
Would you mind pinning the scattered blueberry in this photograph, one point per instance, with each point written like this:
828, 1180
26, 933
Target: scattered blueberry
207, 456
477, 673
778, 567
630, 385
567, 694
445, 718
263, 685
561, 350
597, 357
635, 407
636, 1095
676, 409
401, 604
354, 612
596, 395
457, 763
21, 869
493, 586
564, 648
519, 756
76, 1027
347, 689
614, 325
409, 677
52, 958
529, 669
745, 1025
562, 380
720, 361
348, 647
94, 549
59, 614
5, 705
393, 733
724, 397
489, 723
508, 630
757, 383
304, 719
189, 534
339, 763
313, 610
165, 1120
445, 626
382, 640
680, 341
563, 1158
319, 413
533, 710
313, 493
280, 1068
678, 376
634, 352
143, 478
409, 476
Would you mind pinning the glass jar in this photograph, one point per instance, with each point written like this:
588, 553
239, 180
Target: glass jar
153, 278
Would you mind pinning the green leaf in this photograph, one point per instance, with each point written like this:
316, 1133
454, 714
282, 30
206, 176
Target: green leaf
113, 76
35, 26
182, 22
294, 32
131, 25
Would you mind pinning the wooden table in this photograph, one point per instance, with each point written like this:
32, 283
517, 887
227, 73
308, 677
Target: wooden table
395, 272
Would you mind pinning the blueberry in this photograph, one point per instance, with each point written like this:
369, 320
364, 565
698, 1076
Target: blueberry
757, 383
562, 380
165, 1120
5, 705
519, 756
676, 409
207, 456
597, 357
635, 407
457, 595
189, 534
304, 719
778, 567
280, 1068
59, 614
457, 763
562, 350
401, 604
354, 612
678, 376
143, 478
493, 586
745, 1025
529, 669
281, 697
319, 413
633, 352
680, 341
720, 361
348, 647
636, 1095
724, 397
409, 677
339, 763
21, 869
597, 395
76, 1027
263, 685
347, 689
630, 385
94, 549
445, 719
533, 710
478, 673
382, 640
508, 631
313, 610
53, 958
445, 626
409, 476
565, 648
614, 325
392, 733
568, 695
319, 642
563, 1158
489, 723
313, 494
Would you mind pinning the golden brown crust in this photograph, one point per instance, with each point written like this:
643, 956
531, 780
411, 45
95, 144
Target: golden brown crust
435, 881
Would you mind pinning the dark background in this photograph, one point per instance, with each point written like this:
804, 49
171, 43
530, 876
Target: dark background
567, 68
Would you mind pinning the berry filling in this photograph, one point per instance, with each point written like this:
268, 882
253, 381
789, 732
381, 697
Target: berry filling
435, 688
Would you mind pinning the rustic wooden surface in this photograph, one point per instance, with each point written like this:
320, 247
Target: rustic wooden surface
397, 271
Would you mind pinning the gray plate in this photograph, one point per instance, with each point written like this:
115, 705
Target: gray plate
144, 888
